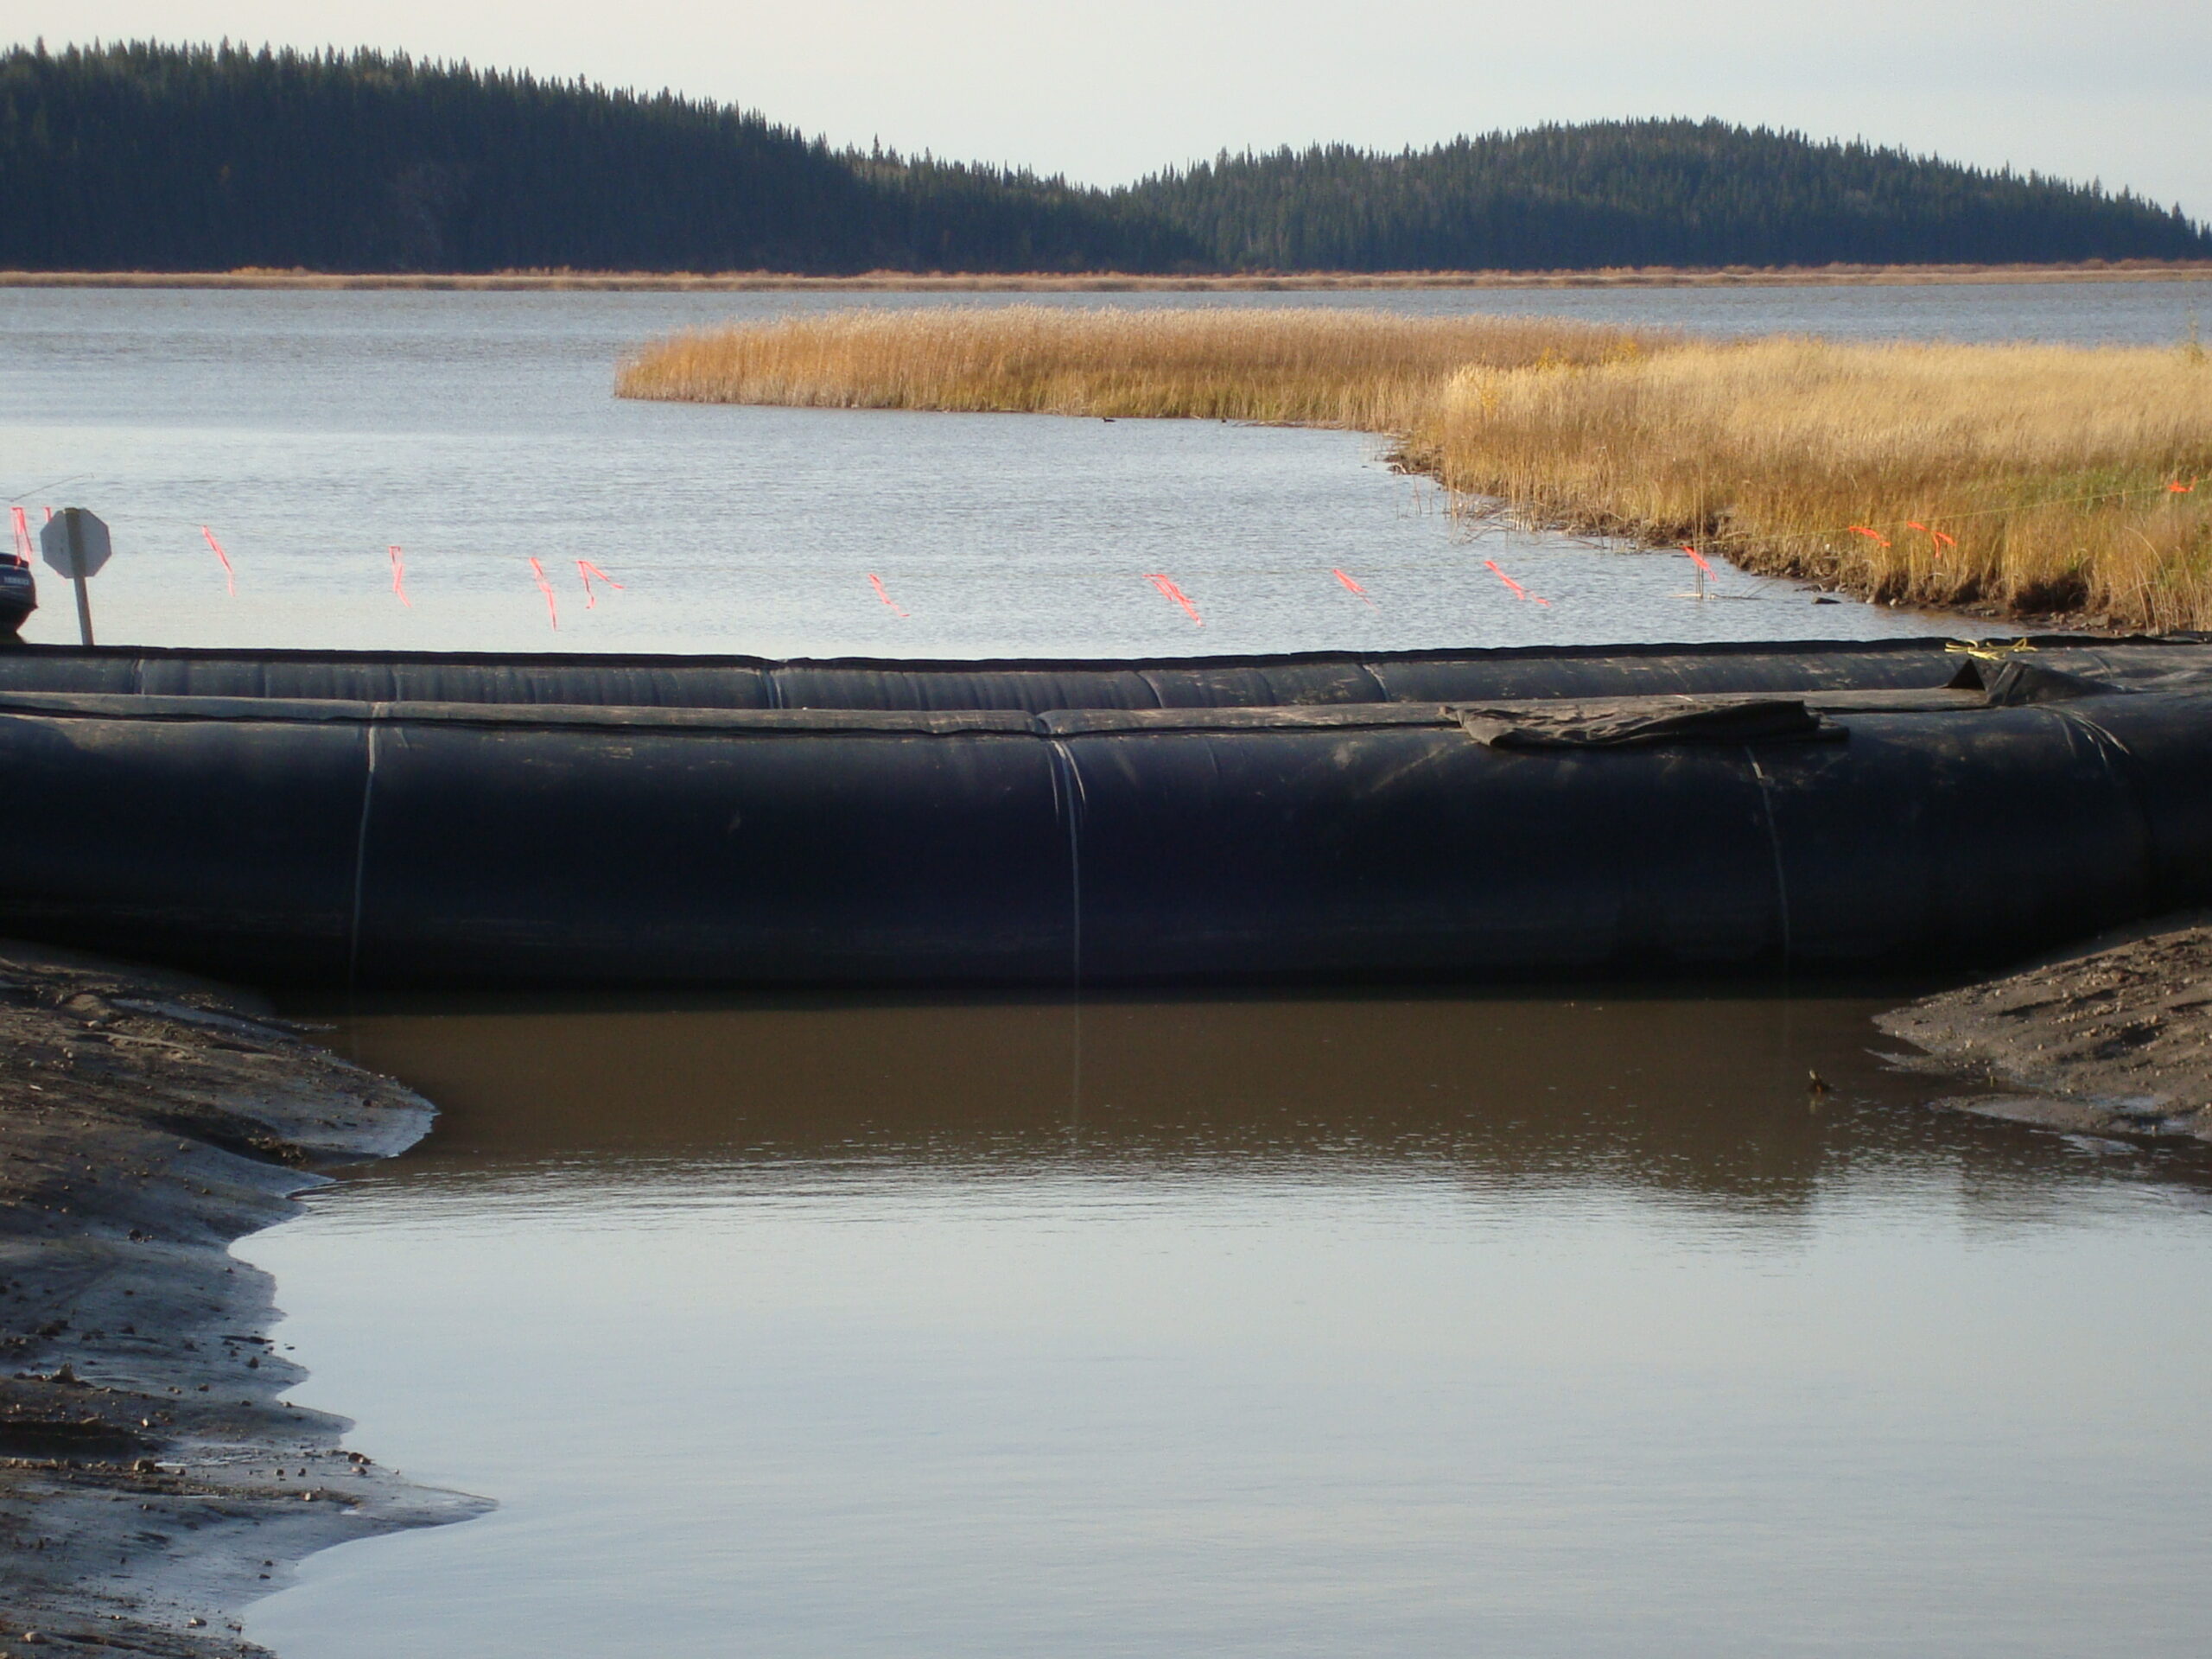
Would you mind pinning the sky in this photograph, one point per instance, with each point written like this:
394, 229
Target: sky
1105, 91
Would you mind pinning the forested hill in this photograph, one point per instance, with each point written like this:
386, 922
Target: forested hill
1645, 192
162, 158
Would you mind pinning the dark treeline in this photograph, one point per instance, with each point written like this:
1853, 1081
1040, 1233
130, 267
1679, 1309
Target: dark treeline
150, 157
1647, 192
162, 158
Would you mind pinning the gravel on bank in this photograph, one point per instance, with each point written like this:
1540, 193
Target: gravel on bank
152, 1482
2110, 1038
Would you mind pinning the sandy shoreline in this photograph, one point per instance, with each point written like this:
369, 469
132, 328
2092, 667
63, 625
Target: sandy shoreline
2112, 1037
152, 1481
1114, 283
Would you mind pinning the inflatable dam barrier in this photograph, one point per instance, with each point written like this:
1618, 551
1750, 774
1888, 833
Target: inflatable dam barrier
386, 819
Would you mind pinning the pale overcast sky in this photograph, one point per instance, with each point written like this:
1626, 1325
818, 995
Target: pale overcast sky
1106, 90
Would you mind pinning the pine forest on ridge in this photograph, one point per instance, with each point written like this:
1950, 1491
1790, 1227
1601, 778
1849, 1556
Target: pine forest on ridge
142, 156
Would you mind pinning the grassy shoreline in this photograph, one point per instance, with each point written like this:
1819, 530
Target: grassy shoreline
2135, 271
2019, 480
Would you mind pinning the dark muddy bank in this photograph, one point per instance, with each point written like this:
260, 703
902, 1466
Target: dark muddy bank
152, 1482
2112, 1037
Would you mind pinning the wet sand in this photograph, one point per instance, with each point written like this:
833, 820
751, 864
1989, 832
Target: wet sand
152, 1481
2112, 1037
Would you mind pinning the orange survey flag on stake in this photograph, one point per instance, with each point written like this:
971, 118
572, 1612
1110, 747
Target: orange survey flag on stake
586, 569
552, 610
1519, 592
884, 593
1169, 590
399, 579
1351, 584
230, 577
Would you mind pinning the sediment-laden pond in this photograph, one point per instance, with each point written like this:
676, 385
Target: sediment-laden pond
1393, 1324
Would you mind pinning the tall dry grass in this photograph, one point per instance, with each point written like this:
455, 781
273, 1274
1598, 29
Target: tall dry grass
1367, 370
2023, 478
2032, 479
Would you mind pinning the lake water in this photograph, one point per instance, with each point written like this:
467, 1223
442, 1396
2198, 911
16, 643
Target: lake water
1389, 1326
310, 433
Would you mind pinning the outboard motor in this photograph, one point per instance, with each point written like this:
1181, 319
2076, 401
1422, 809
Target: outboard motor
18, 595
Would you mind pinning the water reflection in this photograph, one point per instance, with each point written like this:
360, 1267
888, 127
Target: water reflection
313, 431
1394, 1325
1704, 1095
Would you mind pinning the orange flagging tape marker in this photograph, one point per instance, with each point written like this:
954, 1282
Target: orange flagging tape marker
1697, 558
23, 549
1351, 584
884, 593
230, 577
1937, 537
1870, 535
1169, 590
1519, 592
399, 579
552, 610
586, 569
2179, 488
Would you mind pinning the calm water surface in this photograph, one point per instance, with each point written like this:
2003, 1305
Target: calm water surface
1389, 1325
312, 432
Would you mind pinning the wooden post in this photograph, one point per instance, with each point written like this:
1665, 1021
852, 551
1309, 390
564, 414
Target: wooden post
76, 566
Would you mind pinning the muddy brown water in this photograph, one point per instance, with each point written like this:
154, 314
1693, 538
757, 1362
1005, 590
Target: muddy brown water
1388, 1324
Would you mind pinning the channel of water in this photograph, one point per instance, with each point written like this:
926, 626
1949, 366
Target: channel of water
1406, 1325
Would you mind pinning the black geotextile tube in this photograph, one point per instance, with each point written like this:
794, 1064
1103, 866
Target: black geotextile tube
1033, 687
413, 844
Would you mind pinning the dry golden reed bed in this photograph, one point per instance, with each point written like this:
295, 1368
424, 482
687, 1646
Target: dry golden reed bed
2032, 480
